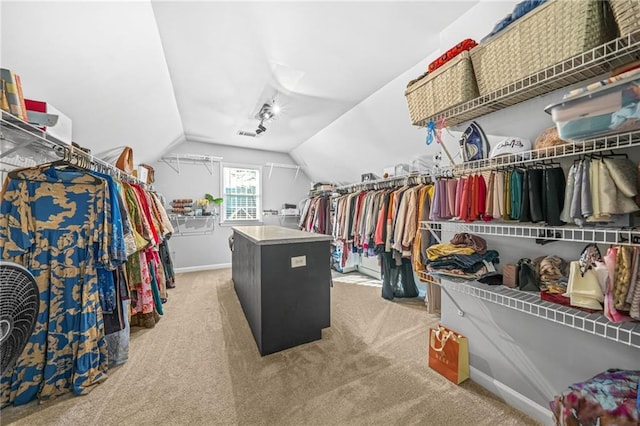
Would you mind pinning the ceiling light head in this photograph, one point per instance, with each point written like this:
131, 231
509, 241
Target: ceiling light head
260, 129
267, 112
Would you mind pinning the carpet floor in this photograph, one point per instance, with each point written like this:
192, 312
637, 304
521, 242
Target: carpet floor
200, 366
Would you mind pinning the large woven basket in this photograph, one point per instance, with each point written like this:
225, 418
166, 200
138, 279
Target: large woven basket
543, 37
449, 85
627, 15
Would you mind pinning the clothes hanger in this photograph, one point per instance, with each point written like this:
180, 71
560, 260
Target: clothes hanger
65, 163
611, 154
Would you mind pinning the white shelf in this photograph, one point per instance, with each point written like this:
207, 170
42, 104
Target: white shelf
530, 303
33, 145
175, 160
564, 233
590, 64
203, 225
603, 143
283, 166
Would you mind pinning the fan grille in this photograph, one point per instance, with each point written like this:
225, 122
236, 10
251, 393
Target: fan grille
18, 311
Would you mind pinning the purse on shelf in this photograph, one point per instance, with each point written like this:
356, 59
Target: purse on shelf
125, 160
548, 138
510, 275
528, 275
121, 157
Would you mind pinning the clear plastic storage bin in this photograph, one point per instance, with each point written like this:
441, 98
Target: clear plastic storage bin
605, 107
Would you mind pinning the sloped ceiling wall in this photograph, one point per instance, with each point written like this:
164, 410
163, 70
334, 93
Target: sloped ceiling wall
102, 64
377, 133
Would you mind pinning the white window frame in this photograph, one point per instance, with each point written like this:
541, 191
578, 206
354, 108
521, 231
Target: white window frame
223, 210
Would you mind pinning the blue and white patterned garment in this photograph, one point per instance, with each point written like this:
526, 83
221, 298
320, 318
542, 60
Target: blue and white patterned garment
54, 223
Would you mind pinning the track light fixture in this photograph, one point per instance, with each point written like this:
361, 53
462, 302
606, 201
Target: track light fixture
267, 112
261, 128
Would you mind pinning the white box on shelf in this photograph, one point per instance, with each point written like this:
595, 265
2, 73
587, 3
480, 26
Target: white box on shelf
61, 129
143, 173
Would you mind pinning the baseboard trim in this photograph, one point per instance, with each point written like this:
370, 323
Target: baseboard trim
369, 272
512, 397
202, 268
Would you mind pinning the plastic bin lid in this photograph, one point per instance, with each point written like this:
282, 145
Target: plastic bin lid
633, 76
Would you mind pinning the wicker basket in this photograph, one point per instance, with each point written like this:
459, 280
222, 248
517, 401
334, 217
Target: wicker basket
627, 15
543, 37
449, 85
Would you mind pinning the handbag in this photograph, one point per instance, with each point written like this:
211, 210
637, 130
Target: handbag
547, 139
584, 290
449, 354
125, 160
510, 273
528, 275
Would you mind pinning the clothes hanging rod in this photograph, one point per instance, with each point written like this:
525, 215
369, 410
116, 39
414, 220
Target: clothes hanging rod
405, 179
13, 125
192, 157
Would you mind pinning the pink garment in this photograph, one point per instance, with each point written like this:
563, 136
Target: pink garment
444, 210
451, 196
459, 190
145, 302
435, 202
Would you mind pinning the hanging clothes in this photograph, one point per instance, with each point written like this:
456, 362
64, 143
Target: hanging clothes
74, 229
57, 218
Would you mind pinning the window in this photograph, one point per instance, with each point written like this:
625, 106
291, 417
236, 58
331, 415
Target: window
241, 189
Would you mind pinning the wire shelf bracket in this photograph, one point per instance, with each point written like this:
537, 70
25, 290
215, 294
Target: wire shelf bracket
207, 161
425, 277
283, 166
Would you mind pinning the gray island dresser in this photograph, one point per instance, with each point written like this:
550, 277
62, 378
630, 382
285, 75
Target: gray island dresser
282, 278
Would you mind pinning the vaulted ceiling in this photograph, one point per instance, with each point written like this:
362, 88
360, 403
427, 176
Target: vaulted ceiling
153, 74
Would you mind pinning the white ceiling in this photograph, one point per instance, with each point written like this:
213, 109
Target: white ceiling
150, 74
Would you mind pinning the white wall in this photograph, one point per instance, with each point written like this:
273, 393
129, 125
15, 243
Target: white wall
195, 180
378, 133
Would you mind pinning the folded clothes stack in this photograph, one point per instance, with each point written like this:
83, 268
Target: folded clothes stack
465, 257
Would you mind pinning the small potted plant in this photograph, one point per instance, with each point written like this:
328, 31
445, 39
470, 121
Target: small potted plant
215, 201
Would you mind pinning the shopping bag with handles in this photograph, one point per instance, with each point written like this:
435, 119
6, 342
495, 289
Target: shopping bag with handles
449, 354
